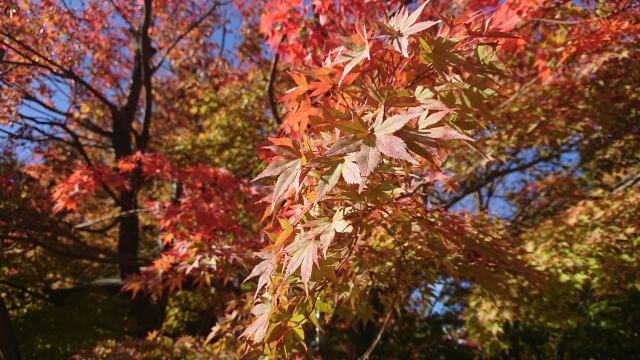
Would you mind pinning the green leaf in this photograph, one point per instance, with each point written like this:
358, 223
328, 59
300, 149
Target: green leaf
486, 53
353, 127
313, 316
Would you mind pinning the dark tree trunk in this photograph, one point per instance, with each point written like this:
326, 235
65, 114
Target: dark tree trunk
8, 342
146, 314
128, 234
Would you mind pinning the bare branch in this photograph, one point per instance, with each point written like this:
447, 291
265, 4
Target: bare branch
373, 345
491, 176
121, 13
111, 217
194, 25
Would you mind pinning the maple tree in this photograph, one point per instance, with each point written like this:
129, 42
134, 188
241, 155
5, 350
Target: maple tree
90, 89
460, 171
554, 54
569, 156
94, 92
369, 126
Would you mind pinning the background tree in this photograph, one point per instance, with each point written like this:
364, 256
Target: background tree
450, 179
94, 90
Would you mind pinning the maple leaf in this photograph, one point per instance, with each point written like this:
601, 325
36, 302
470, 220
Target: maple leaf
264, 269
328, 229
326, 237
323, 83
339, 224
322, 228
350, 171
289, 177
344, 145
432, 110
388, 144
328, 180
392, 124
288, 172
381, 141
427, 119
402, 25
423, 94
299, 114
258, 329
356, 126
367, 158
394, 147
275, 168
446, 133
300, 89
134, 284
355, 56
304, 253
175, 282
420, 143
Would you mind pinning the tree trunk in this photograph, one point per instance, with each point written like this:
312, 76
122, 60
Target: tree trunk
128, 234
129, 227
8, 342
146, 314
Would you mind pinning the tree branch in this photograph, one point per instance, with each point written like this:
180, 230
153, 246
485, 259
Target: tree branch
111, 217
193, 25
64, 72
270, 95
490, 177
373, 345
147, 73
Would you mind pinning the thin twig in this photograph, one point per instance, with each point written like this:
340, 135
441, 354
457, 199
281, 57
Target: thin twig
193, 25
121, 13
627, 183
565, 22
62, 71
373, 345
111, 217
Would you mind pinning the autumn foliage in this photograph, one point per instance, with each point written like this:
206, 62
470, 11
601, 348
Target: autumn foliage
319, 179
